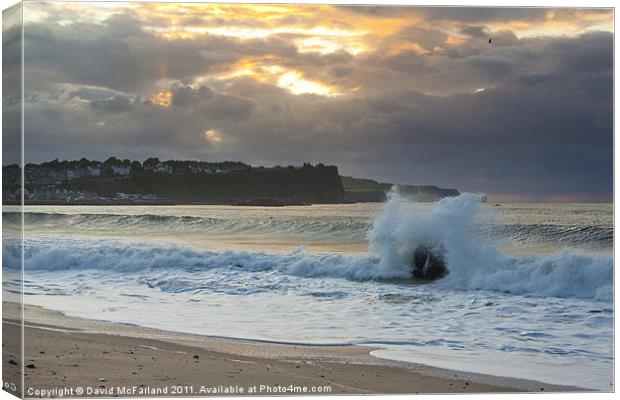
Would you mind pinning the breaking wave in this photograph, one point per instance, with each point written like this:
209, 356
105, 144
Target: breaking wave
61, 254
473, 263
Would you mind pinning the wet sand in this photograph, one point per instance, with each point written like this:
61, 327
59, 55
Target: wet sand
108, 360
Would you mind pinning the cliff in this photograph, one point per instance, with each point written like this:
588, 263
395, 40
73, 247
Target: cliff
286, 185
368, 190
116, 181
190, 182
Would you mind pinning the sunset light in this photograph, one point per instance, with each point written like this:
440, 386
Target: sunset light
293, 82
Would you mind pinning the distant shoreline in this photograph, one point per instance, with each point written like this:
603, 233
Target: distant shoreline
174, 182
175, 203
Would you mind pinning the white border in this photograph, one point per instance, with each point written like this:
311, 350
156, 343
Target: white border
484, 3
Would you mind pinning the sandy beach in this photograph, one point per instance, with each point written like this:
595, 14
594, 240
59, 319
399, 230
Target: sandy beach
110, 360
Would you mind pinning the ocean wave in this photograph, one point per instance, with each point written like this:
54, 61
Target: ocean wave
319, 228
473, 263
61, 254
168, 223
476, 263
564, 274
602, 235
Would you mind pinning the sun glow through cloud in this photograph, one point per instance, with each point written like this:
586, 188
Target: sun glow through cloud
213, 135
293, 82
162, 99
285, 78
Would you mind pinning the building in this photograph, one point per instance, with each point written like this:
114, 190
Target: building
121, 169
76, 173
57, 176
94, 170
162, 168
200, 169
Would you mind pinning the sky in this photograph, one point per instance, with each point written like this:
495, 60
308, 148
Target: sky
412, 95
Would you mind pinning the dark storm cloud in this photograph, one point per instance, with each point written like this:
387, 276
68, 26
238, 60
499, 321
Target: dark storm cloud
427, 38
474, 31
484, 14
119, 54
475, 15
185, 96
92, 94
215, 106
460, 14
340, 71
11, 85
521, 115
116, 104
114, 62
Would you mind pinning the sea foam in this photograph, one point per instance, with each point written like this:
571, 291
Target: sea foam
476, 263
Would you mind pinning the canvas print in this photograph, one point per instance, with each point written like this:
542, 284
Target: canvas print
293, 199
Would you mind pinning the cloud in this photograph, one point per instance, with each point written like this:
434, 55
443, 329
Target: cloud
116, 104
216, 106
430, 102
474, 31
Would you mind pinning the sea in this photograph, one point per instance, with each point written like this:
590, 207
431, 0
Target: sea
528, 293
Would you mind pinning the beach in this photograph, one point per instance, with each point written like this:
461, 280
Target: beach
66, 352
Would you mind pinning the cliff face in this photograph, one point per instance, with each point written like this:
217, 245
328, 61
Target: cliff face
308, 184
427, 192
368, 190
366, 196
